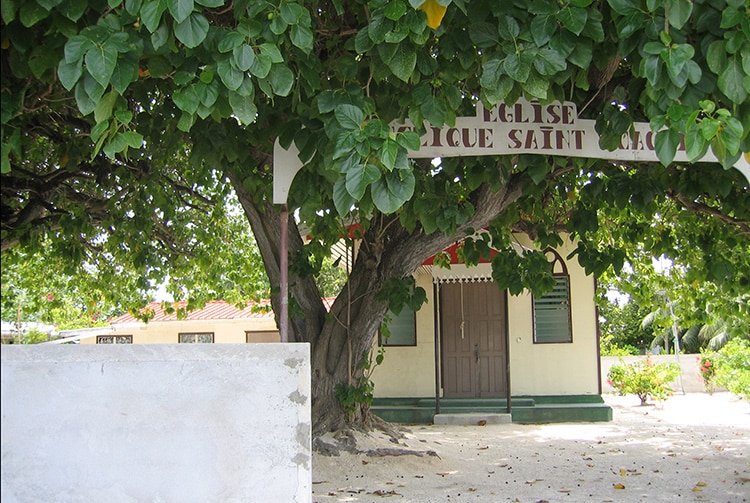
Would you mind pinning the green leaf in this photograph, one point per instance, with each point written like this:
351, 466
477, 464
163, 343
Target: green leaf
302, 37
193, 30
243, 108
100, 63
342, 200
395, 10
103, 110
731, 134
409, 140
391, 191
625, 7
666, 143
542, 29
229, 75
388, 153
516, 68
186, 99
434, 110
76, 47
180, 9
651, 68
582, 55
349, 117
125, 73
732, 16
730, 81
403, 62
549, 62
695, 145
272, 52
31, 13
261, 65
676, 58
8, 14
69, 73
679, 12
508, 28
282, 80
231, 41
292, 12
536, 86
151, 13
73, 9
573, 18
359, 178
709, 127
243, 57
132, 139
484, 35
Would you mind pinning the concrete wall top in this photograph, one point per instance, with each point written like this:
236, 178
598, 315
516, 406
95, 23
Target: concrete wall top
142, 423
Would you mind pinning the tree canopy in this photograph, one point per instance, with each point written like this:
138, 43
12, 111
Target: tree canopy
126, 126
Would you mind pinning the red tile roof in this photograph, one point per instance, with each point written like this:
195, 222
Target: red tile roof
213, 310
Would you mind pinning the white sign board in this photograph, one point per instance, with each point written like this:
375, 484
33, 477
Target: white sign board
523, 128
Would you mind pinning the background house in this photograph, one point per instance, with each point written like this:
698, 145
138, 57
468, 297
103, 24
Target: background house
217, 322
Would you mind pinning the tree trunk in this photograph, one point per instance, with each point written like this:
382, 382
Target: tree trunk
338, 339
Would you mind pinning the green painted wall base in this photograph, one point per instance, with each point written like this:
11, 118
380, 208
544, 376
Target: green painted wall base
524, 409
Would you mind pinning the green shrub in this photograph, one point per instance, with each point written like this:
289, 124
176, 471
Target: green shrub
612, 350
733, 367
644, 379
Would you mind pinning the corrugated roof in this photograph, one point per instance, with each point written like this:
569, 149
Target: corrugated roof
213, 310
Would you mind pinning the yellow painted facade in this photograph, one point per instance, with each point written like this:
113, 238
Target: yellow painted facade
535, 369
410, 371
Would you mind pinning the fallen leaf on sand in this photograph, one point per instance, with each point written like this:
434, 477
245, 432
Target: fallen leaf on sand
380, 492
618, 486
532, 482
320, 482
700, 484
482, 423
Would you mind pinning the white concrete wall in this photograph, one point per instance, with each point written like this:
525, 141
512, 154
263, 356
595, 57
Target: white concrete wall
156, 423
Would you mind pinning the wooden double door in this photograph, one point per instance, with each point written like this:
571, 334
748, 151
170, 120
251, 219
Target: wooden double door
473, 327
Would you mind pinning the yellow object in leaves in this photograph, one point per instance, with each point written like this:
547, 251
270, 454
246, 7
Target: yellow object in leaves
434, 11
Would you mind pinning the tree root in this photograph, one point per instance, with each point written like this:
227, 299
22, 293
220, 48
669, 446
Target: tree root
347, 440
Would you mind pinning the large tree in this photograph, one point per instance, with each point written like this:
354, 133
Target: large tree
127, 125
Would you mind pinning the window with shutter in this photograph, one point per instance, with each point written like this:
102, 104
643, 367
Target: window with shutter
400, 330
552, 321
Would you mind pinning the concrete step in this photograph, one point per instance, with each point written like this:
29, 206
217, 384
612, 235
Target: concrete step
472, 418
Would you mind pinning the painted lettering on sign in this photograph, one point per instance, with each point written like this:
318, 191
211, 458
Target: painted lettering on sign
525, 127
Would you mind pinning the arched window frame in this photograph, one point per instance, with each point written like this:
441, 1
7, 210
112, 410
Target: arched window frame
551, 312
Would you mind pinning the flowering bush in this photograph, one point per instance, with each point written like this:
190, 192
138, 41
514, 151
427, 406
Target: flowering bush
733, 367
644, 379
707, 369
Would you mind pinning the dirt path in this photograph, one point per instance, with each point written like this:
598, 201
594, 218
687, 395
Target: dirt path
694, 447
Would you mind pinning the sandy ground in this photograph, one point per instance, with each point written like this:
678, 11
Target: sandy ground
693, 447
